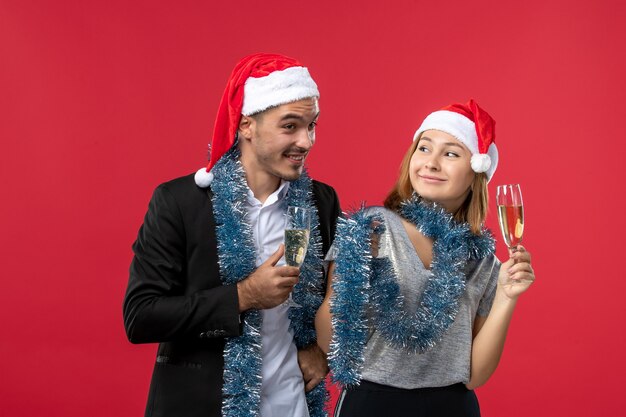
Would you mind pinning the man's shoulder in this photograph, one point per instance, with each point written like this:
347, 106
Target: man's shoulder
323, 189
181, 182
182, 188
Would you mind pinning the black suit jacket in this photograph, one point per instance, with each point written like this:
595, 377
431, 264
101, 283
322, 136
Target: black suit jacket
175, 296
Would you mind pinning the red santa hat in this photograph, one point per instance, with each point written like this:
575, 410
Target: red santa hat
473, 127
258, 82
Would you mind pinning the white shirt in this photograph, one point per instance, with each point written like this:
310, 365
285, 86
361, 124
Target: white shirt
282, 389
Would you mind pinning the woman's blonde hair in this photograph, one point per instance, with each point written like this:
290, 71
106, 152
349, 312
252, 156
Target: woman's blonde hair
473, 210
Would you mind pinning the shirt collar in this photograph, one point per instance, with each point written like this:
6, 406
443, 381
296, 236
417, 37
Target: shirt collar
276, 196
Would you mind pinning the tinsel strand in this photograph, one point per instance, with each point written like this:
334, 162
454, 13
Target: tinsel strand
242, 355
350, 297
309, 291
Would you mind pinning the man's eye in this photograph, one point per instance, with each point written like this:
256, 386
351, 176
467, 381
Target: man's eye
313, 125
289, 126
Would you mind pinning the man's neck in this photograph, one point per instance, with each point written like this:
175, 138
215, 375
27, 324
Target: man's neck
262, 184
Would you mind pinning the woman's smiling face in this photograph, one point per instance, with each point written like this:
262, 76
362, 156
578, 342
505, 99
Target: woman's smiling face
440, 169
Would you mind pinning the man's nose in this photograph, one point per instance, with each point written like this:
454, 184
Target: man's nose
305, 139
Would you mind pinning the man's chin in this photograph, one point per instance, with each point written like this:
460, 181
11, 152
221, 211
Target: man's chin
291, 176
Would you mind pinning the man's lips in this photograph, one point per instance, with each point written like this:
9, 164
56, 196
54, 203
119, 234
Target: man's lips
296, 158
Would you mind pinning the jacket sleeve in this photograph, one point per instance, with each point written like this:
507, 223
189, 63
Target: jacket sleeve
158, 305
329, 210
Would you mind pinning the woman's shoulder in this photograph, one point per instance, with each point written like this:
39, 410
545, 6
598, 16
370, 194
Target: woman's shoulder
378, 219
380, 212
485, 265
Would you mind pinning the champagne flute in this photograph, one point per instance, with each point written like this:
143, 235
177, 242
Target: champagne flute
297, 230
510, 214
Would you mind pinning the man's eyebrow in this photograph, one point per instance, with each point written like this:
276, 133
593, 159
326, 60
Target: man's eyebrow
446, 144
296, 116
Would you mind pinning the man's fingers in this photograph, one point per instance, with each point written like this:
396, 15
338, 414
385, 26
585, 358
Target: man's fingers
275, 257
312, 383
286, 282
288, 271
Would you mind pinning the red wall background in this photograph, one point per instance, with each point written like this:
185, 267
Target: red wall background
101, 101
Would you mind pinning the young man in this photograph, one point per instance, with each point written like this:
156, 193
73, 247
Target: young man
208, 282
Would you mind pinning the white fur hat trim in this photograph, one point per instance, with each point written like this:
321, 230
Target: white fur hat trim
203, 178
455, 124
279, 87
480, 162
486, 163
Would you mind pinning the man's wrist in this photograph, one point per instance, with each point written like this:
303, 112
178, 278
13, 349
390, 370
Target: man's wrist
315, 347
242, 294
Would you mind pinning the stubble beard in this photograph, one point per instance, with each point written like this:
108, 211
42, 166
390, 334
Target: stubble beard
290, 176
286, 174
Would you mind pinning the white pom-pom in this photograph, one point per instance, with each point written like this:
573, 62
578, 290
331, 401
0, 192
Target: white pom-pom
480, 162
203, 178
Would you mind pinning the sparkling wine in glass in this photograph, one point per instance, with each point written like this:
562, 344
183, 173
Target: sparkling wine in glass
510, 214
297, 231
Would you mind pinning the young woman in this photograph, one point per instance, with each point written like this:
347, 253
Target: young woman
419, 304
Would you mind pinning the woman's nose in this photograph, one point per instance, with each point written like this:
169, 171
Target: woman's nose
432, 163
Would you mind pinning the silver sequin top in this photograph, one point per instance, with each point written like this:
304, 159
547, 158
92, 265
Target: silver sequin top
449, 361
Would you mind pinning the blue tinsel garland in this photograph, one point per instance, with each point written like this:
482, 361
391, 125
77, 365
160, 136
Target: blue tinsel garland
360, 280
242, 355
350, 296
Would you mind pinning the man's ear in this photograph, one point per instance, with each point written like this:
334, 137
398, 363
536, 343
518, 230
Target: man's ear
245, 127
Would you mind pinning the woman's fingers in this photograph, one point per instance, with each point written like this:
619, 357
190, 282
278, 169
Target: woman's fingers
522, 271
521, 254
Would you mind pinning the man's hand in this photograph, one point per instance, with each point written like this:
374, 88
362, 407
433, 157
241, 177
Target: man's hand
313, 365
269, 285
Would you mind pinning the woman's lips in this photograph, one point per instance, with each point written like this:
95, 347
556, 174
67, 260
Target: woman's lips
430, 179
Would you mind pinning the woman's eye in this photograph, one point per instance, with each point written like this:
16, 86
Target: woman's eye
423, 149
452, 154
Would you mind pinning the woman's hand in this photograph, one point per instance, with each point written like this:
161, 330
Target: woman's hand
516, 274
